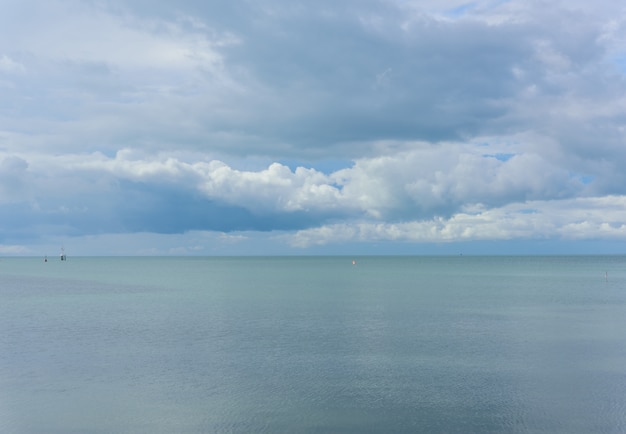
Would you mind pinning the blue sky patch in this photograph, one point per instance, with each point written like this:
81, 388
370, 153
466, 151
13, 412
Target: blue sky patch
500, 156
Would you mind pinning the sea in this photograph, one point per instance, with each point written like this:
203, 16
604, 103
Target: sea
319, 344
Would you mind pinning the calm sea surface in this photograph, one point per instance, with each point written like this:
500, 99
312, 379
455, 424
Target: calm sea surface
313, 345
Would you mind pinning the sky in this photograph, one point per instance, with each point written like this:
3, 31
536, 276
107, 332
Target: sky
238, 127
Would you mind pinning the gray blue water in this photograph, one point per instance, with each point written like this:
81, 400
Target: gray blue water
313, 345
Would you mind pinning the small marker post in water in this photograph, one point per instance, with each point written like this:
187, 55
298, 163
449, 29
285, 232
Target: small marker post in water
606, 276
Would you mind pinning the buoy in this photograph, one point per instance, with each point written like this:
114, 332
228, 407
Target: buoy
353, 262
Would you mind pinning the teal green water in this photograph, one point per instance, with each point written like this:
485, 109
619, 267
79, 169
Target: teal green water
313, 345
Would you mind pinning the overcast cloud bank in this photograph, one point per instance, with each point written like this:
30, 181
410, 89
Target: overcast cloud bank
195, 128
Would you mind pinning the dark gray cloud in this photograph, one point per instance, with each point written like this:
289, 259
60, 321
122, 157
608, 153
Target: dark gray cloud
309, 77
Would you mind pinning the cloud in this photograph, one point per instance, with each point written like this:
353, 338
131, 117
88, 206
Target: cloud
302, 81
166, 194
573, 219
8, 65
352, 120
13, 174
13, 250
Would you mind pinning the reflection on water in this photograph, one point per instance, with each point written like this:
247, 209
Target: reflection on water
238, 345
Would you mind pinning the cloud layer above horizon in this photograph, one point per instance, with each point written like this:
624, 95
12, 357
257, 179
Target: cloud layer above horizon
171, 127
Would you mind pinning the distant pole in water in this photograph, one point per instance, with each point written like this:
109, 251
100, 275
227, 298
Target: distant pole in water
606, 276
